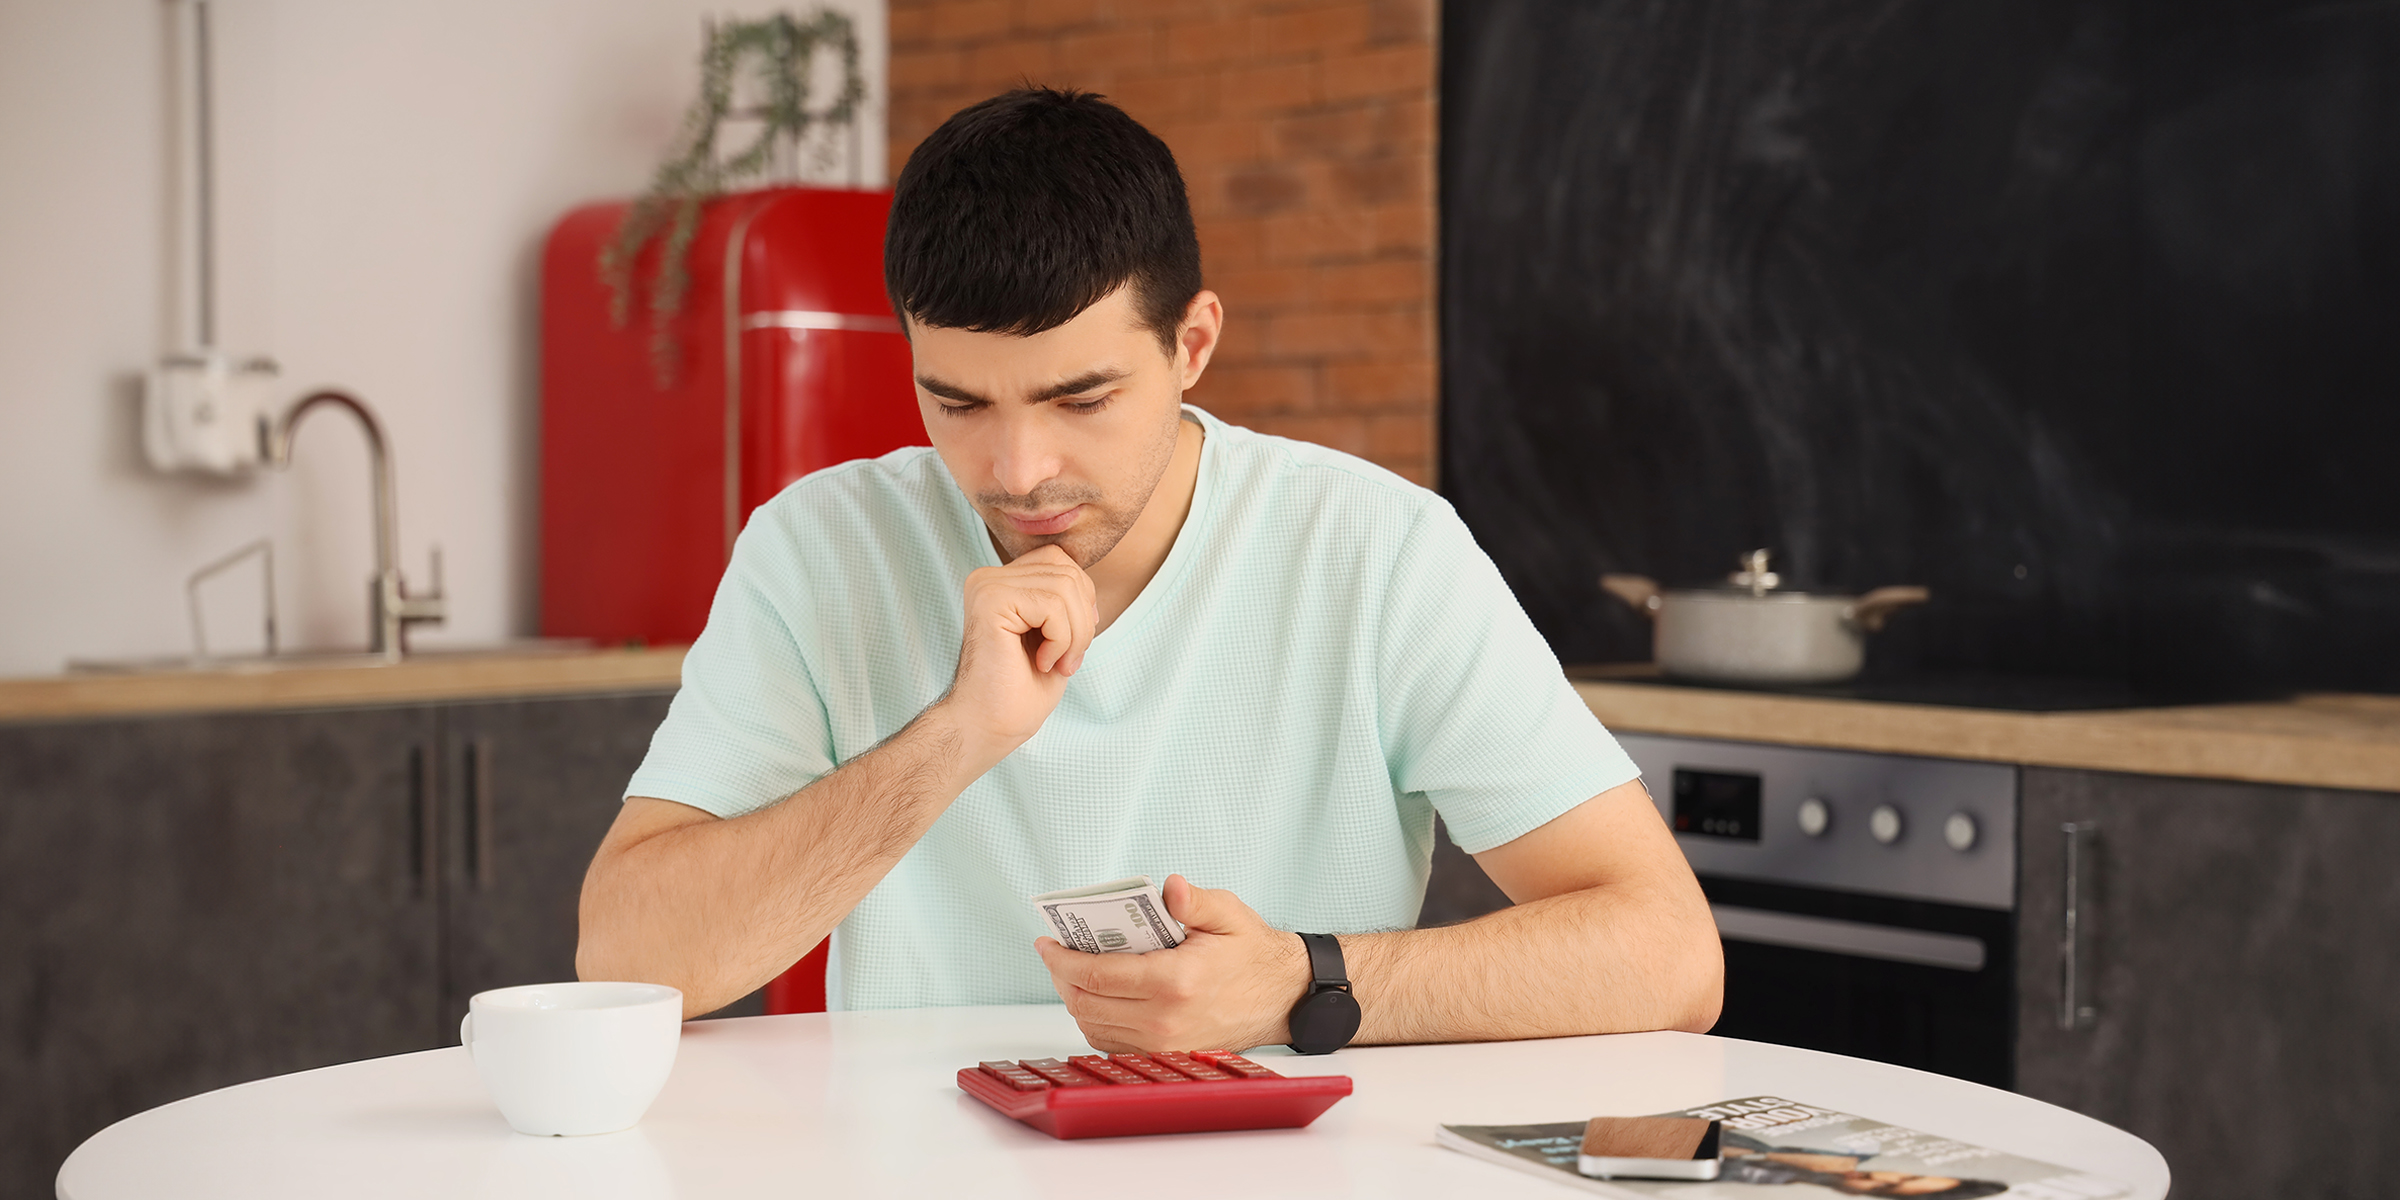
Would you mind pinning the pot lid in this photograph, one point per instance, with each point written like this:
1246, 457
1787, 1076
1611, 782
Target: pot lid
1755, 583
1754, 574
1757, 579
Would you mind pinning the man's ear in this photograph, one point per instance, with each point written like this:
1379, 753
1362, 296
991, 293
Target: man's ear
1196, 338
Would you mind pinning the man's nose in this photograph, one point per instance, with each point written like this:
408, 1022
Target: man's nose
1026, 457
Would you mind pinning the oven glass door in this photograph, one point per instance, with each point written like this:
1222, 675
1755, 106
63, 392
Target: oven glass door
1911, 982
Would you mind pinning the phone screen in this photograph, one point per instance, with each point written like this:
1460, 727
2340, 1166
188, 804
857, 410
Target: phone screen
1655, 1147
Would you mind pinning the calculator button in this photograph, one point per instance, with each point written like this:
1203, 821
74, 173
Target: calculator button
1228, 1061
1193, 1067
1059, 1073
1143, 1067
1015, 1076
1106, 1070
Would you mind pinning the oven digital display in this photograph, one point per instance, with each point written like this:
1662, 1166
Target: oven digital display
1716, 804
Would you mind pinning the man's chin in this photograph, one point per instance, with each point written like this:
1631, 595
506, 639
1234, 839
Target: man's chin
1087, 543
1016, 546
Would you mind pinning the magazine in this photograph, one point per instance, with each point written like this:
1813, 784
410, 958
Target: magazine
1777, 1149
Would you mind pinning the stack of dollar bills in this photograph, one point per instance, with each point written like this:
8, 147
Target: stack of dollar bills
1121, 916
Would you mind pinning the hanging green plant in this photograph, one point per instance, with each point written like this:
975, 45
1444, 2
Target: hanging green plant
782, 52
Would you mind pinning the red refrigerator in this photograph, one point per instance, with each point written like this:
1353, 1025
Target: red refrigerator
786, 359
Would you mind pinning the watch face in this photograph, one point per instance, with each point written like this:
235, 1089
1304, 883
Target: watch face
1324, 1023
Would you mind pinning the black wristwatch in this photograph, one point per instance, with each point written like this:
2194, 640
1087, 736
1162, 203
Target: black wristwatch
1327, 1017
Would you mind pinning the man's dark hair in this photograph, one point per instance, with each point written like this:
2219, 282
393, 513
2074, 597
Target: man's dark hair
1028, 208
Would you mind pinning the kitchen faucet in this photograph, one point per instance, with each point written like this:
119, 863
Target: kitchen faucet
391, 609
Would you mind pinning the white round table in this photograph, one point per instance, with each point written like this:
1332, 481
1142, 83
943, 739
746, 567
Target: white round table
867, 1104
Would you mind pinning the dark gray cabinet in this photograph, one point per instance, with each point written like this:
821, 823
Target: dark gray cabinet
194, 901
536, 784
1456, 889
2236, 947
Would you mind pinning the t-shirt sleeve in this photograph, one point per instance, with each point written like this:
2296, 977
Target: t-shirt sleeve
1477, 716
748, 727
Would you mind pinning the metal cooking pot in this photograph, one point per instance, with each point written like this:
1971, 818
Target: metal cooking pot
1748, 632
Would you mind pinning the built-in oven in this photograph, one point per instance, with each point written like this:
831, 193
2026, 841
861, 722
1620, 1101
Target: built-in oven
1866, 901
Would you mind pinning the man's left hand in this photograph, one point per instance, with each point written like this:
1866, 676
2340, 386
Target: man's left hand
1231, 985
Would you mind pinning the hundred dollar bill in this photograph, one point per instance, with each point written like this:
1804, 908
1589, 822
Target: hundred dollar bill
1124, 915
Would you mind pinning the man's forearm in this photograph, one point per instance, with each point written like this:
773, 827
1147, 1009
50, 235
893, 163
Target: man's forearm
718, 907
1606, 959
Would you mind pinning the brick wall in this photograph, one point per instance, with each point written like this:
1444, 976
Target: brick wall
1305, 130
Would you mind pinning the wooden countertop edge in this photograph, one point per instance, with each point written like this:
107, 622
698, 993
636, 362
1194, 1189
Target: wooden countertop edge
427, 680
2341, 743
2199, 743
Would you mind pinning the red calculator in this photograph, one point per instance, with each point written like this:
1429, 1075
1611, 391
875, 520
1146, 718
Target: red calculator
1116, 1095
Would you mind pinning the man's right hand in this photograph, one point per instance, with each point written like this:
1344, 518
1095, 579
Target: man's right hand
1027, 627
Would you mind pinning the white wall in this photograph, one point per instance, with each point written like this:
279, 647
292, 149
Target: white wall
387, 172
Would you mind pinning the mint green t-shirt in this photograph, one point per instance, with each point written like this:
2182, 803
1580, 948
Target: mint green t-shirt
1324, 661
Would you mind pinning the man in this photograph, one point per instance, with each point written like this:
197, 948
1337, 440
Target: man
1096, 633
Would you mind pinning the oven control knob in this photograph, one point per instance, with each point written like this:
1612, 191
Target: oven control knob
1815, 816
1884, 823
1960, 831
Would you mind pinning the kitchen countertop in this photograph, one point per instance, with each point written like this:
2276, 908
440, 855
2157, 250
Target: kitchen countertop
431, 678
2332, 740
2325, 740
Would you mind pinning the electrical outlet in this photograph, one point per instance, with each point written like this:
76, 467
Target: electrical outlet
204, 412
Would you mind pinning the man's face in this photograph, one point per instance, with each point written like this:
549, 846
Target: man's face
1059, 438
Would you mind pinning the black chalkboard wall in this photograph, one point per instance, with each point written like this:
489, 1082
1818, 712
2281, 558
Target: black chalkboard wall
2085, 315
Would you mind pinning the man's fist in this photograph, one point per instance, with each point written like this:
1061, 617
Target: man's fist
1027, 627
1231, 984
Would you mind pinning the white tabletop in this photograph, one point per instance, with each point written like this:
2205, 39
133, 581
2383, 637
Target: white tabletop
867, 1103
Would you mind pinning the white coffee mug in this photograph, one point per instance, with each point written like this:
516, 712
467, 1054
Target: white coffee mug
566, 1059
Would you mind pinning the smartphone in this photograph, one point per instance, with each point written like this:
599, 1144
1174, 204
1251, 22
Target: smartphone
1650, 1148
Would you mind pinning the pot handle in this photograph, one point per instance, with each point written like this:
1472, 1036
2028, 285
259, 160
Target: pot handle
1638, 591
1872, 609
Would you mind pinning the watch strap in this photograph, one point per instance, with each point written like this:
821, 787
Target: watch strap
1325, 966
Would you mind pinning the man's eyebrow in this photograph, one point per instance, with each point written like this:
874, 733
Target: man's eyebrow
948, 391
1081, 383
1065, 387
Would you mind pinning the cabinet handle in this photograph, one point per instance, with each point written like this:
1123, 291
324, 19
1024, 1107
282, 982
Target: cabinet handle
480, 867
2073, 1013
421, 816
